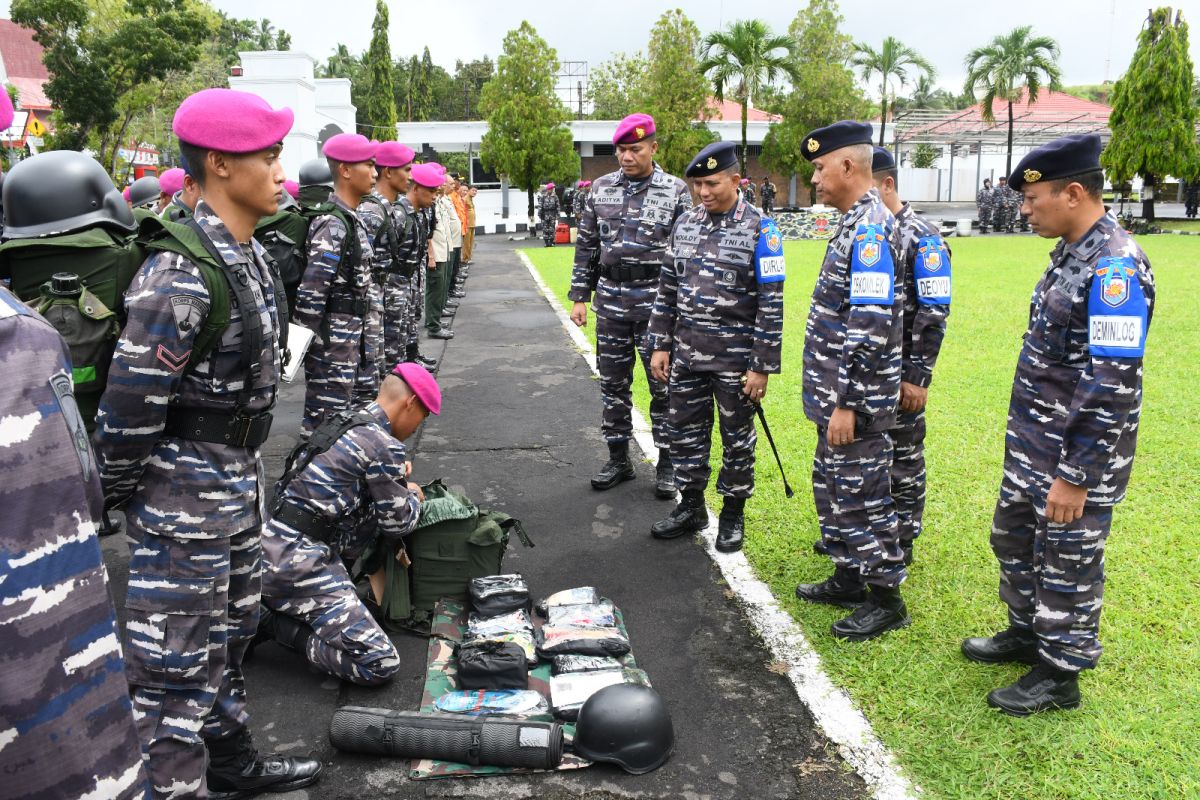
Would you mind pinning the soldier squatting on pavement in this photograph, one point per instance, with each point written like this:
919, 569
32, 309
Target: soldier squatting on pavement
177, 447
623, 231
717, 333
328, 511
1072, 428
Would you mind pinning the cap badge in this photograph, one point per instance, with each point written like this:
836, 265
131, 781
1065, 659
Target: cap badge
813, 145
639, 132
1032, 176
711, 163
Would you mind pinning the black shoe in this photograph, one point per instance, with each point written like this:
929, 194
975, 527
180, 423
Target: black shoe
664, 477
1011, 644
907, 549
731, 525
426, 362
443, 333
1043, 688
236, 770
819, 547
843, 588
287, 631
451, 303
110, 526
689, 516
617, 469
883, 611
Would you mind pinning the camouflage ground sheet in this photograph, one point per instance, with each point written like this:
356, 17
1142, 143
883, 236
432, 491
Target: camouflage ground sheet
807, 224
441, 673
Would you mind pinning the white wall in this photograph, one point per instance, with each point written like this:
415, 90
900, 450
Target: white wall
933, 185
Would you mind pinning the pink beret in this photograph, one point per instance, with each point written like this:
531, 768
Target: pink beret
349, 148
431, 176
393, 154
125, 194
171, 181
549, 185
634, 128
422, 384
230, 121
292, 188
6, 110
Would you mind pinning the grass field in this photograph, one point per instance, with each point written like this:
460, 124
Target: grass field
1138, 732
1179, 224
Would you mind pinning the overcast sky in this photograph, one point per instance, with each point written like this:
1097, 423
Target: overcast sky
1097, 37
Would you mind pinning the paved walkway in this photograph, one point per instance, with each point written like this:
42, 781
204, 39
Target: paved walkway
519, 432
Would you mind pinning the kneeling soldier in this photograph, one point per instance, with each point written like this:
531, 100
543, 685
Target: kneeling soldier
717, 329
346, 486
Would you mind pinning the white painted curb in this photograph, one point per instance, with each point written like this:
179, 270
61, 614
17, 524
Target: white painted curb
831, 707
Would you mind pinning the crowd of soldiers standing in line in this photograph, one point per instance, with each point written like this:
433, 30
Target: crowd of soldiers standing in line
999, 208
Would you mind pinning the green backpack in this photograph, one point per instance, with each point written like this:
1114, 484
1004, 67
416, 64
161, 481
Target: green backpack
454, 541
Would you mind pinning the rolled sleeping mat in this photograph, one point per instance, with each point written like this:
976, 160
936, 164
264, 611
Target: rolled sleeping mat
465, 740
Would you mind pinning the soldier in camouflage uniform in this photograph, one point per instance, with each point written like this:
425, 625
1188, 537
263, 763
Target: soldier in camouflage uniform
409, 218
330, 511
548, 214
1072, 428
64, 702
385, 226
748, 190
985, 202
717, 331
177, 447
619, 252
767, 192
338, 299
1006, 204
579, 202
852, 373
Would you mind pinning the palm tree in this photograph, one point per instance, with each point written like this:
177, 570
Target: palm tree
1010, 64
341, 64
890, 63
746, 57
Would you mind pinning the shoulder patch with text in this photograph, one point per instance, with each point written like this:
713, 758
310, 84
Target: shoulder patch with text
1117, 310
769, 266
931, 271
872, 271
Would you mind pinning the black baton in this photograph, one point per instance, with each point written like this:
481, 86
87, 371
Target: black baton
787, 490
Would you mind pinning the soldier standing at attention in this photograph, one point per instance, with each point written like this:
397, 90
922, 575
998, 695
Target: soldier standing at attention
1005, 211
717, 332
767, 192
619, 253
852, 373
985, 202
925, 260
548, 214
1072, 429
579, 202
337, 297
393, 162
411, 219
179, 450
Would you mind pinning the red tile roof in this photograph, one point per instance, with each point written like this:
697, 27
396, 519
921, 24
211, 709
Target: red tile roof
729, 111
31, 92
22, 55
1049, 104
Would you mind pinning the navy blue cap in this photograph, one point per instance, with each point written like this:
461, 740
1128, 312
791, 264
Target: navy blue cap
882, 160
835, 137
1063, 158
716, 157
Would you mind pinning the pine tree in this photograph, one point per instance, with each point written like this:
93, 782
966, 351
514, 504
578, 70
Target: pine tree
378, 113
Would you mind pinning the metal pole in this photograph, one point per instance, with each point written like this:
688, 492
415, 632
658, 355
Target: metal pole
950, 191
979, 166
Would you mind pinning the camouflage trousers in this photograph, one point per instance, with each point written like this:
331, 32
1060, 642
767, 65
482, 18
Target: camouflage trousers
416, 306
852, 492
371, 361
1052, 576
303, 579
986, 213
331, 373
690, 429
1004, 217
618, 345
908, 473
192, 609
549, 226
395, 321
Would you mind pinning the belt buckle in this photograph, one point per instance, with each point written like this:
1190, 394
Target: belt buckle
241, 430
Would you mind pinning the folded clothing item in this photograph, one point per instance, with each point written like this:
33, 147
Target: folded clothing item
595, 641
569, 692
499, 594
581, 595
568, 663
492, 665
480, 625
523, 639
479, 703
587, 615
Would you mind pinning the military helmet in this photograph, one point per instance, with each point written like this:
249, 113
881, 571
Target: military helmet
627, 725
144, 191
316, 173
61, 191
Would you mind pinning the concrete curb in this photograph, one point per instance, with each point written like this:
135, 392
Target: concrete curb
830, 706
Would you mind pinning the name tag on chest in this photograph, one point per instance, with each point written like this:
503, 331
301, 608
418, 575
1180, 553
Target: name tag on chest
609, 196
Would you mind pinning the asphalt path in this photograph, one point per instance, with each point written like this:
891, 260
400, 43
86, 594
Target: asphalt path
519, 432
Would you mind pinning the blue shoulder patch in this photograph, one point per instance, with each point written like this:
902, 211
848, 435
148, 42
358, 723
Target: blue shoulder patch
1116, 310
931, 271
768, 255
872, 272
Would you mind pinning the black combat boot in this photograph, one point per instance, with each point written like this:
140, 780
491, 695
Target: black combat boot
731, 525
688, 517
1043, 688
906, 549
618, 468
287, 631
883, 611
664, 476
1011, 644
236, 770
109, 526
844, 588
819, 547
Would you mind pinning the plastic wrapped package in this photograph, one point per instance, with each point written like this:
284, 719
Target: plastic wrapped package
553, 640
587, 615
492, 665
513, 702
480, 626
569, 692
499, 594
568, 663
581, 595
523, 639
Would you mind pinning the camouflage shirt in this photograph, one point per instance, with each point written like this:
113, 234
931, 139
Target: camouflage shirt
413, 238
852, 352
65, 715
548, 205
629, 223
375, 212
326, 277
711, 311
1074, 411
179, 487
924, 316
360, 479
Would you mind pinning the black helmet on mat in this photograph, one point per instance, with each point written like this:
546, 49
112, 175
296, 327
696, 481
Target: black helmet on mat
627, 725
61, 191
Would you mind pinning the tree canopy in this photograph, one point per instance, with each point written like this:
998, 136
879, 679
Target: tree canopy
675, 91
377, 110
890, 65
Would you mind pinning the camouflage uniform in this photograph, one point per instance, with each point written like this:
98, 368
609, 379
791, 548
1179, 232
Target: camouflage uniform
427, 220
379, 222
343, 348
404, 278
748, 193
1007, 203
579, 203
193, 508
852, 359
359, 486
548, 216
626, 225
1074, 415
718, 321
767, 190
985, 201
64, 703
924, 328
